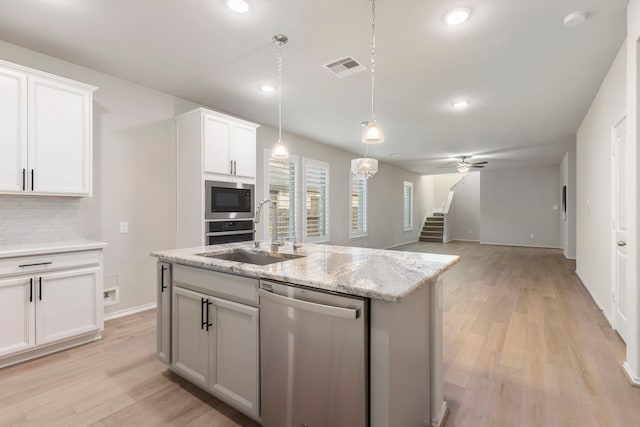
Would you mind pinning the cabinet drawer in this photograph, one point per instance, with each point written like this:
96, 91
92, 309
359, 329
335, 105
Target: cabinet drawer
229, 286
44, 263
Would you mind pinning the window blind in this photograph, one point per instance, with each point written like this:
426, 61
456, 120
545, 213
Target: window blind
282, 191
358, 206
316, 184
408, 205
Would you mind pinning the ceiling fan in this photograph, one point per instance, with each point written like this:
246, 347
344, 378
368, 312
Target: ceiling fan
464, 165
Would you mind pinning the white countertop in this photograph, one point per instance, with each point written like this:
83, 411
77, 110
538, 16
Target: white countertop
10, 251
372, 273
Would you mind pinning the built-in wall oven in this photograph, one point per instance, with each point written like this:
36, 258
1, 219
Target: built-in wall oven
229, 212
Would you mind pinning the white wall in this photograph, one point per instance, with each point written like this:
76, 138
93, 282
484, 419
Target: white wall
568, 176
134, 176
515, 203
632, 364
441, 186
385, 196
593, 176
464, 215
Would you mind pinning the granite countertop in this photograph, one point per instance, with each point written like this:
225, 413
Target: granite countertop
27, 249
372, 273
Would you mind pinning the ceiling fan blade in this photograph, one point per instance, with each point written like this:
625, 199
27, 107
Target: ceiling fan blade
476, 166
480, 163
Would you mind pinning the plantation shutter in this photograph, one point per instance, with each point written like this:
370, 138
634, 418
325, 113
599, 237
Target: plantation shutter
282, 191
408, 206
316, 182
358, 206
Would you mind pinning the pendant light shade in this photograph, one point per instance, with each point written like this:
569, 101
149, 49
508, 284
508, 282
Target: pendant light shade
373, 133
364, 167
280, 150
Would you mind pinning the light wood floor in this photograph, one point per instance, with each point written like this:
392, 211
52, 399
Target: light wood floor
524, 346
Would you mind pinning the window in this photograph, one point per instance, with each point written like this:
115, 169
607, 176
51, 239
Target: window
358, 206
316, 199
282, 191
407, 205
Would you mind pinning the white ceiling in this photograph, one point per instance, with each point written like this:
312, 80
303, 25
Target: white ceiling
530, 80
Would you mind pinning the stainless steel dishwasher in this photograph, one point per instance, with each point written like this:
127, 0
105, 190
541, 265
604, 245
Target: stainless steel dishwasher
313, 357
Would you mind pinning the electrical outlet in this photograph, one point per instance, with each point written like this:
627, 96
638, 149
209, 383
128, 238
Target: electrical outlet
555, 207
532, 235
470, 231
124, 227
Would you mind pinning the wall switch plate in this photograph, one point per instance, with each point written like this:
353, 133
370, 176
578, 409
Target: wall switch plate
555, 207
124, 227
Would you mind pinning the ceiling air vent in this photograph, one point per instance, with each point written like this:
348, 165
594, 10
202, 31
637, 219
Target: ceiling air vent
344, 67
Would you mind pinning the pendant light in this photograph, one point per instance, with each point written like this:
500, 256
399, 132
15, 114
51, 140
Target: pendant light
373, 133
367, 167
280, 150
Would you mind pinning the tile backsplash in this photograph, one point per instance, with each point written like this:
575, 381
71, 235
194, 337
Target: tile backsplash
25, 219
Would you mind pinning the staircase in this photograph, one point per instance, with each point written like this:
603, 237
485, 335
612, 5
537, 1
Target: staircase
433, 228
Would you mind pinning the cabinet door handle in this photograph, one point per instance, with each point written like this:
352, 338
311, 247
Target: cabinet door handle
208, 304
32, 179
31, 289
24, 179
37, 263
40, 287
235, 167
202, 313
162, 285
231, 167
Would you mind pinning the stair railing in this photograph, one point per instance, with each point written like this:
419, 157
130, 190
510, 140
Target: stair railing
445, 213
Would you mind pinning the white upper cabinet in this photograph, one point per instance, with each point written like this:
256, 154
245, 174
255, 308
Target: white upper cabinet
47, 146
224, 145
13, 132
217, 146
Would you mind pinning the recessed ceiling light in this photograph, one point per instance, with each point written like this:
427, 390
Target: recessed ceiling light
267, 88
457, 16
461, 104
575, 18
238, 6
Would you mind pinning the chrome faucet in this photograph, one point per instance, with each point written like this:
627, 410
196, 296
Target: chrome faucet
275, 242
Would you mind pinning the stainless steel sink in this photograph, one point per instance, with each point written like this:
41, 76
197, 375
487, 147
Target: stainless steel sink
251, 257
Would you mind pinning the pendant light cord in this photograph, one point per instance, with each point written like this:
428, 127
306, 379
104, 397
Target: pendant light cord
373, 59
280, 92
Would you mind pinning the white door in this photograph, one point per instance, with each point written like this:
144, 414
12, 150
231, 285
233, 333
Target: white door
59, 138
619, 195
235, 362
190, 338
244, 151
17, 319
216, 150
13, 131
67, 304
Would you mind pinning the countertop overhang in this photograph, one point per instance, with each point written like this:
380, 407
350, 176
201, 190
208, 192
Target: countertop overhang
29, 249
372, 273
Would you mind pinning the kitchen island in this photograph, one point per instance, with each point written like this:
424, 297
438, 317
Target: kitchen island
403, 291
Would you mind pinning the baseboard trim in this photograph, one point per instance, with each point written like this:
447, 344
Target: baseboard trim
586, 287
441, 419
463, 240
520, 246
635, 381
128, 311
400, 244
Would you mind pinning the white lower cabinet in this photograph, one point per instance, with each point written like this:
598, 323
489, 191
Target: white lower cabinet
215, 345
17, 315
67, 305
48, 303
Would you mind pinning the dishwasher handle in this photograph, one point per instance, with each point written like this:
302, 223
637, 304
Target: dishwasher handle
327, 310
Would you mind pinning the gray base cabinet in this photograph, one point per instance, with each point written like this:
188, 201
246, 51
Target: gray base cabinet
214, 340
164, 312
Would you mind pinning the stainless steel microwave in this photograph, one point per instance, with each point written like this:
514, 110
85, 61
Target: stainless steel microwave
228, 200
